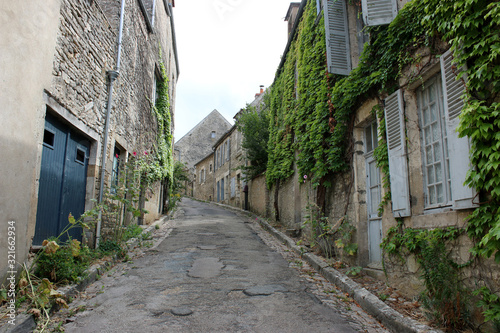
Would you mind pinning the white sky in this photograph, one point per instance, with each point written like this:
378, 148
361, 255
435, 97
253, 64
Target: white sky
226, 49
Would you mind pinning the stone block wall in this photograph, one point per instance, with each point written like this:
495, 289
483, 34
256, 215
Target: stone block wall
204, 184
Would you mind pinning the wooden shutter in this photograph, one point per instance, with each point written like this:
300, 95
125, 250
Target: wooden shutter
337, 37
458, 148
398, 164
378, 12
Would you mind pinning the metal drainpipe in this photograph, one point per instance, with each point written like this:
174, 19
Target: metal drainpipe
112, 76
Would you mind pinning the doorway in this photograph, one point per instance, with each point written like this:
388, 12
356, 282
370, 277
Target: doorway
63, 179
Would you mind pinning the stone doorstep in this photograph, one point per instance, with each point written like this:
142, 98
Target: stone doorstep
26, 322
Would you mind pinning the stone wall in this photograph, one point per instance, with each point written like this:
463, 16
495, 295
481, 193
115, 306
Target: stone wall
204, 184
198, 142
56, 60
27, 41
258, 196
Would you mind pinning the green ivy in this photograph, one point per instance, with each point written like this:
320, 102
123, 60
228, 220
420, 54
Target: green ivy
312, 111
162, 164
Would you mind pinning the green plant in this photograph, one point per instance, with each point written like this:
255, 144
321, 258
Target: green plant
65, 263
445, 297
383, 297
132, 231
490, 303
344, 242
3, 295
254, 127
354, 271
318, 228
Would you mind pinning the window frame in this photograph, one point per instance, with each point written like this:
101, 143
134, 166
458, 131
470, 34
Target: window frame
442, 143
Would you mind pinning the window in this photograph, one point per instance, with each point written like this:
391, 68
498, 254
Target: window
379, 12
49, 138
148, 10
445, 156
115, 171
218, 191
233, 187
319, 6
212, 135
435, 159
337, 37
398, 164
373, 186
222, 189
210, 167
80, 156
156, 79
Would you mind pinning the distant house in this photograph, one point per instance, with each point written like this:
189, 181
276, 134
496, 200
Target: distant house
219, 176
198, 142
60, 77
203, 186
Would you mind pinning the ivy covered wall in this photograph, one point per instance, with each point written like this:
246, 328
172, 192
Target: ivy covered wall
312, 118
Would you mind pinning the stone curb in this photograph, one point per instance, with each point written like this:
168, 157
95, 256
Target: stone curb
26, 322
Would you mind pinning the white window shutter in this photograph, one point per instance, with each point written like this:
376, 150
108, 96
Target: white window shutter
458, 148
378, 12
337, 37
398, 164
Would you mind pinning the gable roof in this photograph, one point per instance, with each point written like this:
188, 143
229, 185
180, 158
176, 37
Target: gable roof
212, 114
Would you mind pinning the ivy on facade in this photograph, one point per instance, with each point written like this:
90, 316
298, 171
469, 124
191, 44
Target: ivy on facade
162, 165
312, 111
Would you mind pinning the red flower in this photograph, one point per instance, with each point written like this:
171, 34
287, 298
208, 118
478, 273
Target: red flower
145, 153
134, 153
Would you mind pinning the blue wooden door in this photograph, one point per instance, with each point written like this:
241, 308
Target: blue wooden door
63, 178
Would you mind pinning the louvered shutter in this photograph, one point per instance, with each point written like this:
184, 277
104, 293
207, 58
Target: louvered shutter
337, 37
378, 12
458, 148
398, 165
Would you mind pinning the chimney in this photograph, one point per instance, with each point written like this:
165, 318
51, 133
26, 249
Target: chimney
261, 91
291, 15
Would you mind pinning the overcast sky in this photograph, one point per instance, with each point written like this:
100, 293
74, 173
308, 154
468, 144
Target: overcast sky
226, 49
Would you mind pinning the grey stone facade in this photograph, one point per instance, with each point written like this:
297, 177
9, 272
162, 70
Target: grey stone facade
203, 185
67, 48
198, 142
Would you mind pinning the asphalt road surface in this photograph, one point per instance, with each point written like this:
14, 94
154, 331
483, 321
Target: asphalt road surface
213, 270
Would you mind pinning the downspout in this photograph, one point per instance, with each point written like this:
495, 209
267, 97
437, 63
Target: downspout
112, 76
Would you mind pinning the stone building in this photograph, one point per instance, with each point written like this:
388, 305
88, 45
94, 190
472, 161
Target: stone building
418, 113
228, 178
198, 142
59, 63
203, 186
219, 176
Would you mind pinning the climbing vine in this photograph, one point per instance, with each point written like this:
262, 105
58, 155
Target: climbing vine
162, 164
312, 111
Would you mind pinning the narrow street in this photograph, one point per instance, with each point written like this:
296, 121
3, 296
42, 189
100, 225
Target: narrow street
213, 270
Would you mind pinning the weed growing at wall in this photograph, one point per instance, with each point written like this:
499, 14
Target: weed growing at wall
445, 296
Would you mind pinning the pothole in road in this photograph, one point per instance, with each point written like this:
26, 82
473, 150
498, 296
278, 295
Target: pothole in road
181, 311
206, 268
264, 290
207, 247
206, 233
